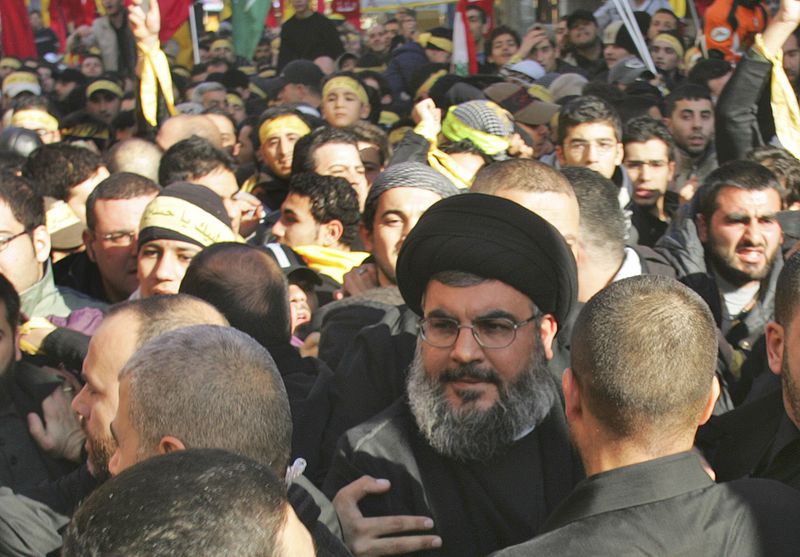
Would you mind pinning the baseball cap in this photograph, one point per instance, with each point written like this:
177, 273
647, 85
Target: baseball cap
292, 265
302, 72
104, 85
530, 68
628, 70
21, 82
525, 108
580, 15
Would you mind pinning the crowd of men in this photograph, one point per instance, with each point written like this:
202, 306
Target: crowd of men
334, 298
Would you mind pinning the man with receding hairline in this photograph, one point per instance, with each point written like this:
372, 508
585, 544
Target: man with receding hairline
642, 380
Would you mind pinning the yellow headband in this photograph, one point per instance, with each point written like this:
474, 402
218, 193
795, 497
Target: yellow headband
441, 43
34, 120
10, 63
221, 43
104, 85
287, 123
671, 41
348, 83
187, 219
234, 100
456, 130
426, 86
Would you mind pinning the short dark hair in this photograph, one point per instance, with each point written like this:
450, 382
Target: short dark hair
246, 285
669, 12
645, 128
193, 502
25, 204
644, 353
372, 134
602, 223
190, 159
56, 168
785, 167
787, 291
707, 69
743, 175
332, 198
586, 110
522, 175
10, 299
122, 185
306, 146
687, 91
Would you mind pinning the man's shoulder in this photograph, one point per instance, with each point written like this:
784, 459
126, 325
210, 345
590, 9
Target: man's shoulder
382, 433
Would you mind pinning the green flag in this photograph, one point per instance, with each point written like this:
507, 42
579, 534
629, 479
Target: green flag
248, 25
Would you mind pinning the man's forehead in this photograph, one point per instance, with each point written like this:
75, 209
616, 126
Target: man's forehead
758, 201
599, 129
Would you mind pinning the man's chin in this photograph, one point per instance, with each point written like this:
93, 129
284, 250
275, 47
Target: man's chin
473, 395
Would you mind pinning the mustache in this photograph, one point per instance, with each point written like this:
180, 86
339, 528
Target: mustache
470, 372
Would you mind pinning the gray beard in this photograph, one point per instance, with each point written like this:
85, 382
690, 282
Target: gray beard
469, 433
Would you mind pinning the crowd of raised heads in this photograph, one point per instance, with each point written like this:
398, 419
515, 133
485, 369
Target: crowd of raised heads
442, 281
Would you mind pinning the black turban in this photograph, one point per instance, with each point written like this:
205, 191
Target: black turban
494, 238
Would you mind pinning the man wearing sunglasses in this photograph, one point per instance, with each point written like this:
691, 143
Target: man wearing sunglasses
477, 454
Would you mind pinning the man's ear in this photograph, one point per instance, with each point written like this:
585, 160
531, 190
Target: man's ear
88, 242
365, 110
702, 228
560, 156
713, 395
332, 232
547, 332
572, 397
774, 335
366, 237
620, 154
672, 165
41, 243
170, 444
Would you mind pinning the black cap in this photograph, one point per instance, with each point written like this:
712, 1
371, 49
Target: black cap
580, 15
302, 72
292, 265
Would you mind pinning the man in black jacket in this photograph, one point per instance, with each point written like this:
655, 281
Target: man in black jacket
308, 35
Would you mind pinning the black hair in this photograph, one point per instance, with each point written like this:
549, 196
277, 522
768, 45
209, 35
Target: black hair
645, 128
687, 91
191, 158
331, 198
585, 110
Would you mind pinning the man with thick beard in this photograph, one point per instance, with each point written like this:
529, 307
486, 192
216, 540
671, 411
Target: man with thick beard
478, 451
761, 439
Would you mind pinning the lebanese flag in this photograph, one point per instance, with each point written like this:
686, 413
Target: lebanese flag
17, 35
464, 61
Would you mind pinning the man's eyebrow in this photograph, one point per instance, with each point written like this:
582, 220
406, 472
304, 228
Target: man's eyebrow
497, 313
439, 313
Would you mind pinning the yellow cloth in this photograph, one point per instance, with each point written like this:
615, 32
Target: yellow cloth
678, 7
441, 161
331, 261
104, 85
27, 327
187, 219
456, 130
344, 82
785, 109
428, 83
286, 123
155, 75
34, 119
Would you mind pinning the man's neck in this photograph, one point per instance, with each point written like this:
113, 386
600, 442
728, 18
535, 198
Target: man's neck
610, 455
304, 15
657, 210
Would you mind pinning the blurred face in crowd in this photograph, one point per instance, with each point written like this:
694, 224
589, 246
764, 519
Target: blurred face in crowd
592, 145
476, 25
743, 235
392, 30
371, 158
583, 33
649, 169
692, 125
96, 404
436, 56
341, 107
22, 252
277, 150
223, 50
664, 56
503, 48
300, 305
408, 25
397, 212
377, 38
63, 89
613, 54
342, 159
546, 54
112, 245
162, 265
215, 99
263, 54
791, 58
46, 78
103, 105
301, 7
659, 23
223, 182
92, 66
540, 137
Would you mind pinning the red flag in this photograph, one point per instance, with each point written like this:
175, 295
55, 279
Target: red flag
17, 34
350, 9
173, 14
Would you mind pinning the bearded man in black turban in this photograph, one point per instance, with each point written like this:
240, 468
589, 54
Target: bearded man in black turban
477, 455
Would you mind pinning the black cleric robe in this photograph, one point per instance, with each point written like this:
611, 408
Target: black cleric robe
477, 507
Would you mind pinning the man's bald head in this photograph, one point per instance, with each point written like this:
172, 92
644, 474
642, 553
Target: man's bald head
135, 155
184, 126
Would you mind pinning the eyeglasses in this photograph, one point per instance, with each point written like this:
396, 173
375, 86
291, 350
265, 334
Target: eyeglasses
491, 332
5, 240
119, 238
